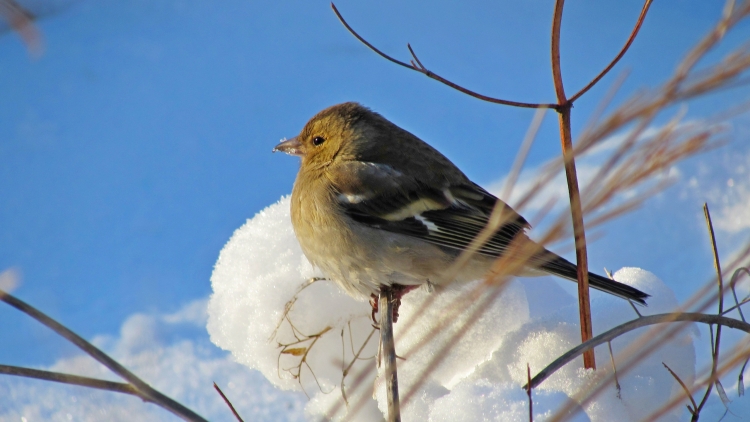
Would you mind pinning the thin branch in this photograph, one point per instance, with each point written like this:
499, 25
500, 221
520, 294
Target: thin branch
346, 370
574, 193
117, 387
418, 67
630, 326
145, 390
389, 353
625, 48
687, 392
614, 370
226, 400
303, 352
528, 392
733, 284
717, 343
555, 50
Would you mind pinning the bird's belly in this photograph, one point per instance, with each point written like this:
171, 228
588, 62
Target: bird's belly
363, 258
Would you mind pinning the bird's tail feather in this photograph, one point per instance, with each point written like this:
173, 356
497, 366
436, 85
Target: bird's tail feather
561, 267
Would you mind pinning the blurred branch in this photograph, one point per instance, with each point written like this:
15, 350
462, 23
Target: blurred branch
630, 326
117, 387
146, 391
574, 193
22, 21
355, 357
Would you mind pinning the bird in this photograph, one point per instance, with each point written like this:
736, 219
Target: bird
374, 206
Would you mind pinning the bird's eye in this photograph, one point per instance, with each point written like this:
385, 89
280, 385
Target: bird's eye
318, 140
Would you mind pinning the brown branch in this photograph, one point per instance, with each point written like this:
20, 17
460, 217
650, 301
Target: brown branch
630, 326
418, 67
687, 392
346, 370
614, 370
303, 352
148, 392
226, 400
579, 234
555, 50
117, 387
625, 48
389, 353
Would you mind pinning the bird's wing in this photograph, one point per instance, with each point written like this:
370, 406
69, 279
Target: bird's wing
450, 216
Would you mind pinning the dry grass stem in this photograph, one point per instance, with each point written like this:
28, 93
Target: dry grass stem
687, 392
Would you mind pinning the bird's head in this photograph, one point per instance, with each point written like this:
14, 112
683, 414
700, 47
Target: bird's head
341, 132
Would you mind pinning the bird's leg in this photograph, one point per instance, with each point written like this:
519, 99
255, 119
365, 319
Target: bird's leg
398, 292
374, 304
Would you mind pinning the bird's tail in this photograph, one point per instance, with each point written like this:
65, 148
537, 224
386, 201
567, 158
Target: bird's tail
561, 267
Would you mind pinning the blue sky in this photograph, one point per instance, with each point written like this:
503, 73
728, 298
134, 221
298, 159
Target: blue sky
141, 138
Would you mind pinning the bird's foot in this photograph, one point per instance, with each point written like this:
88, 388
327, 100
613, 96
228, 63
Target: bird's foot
399, 291
374, 304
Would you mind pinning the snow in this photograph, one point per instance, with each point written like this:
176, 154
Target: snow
462, 371
165, 351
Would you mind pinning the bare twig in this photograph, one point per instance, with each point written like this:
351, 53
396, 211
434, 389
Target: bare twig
736, 355
418, 67
614, 370
290, 304
625, 48
389, 353
301, 348
117, 387
687, 392
226, 400
574, 193
528, 392
715, 344
346, 370
145, 390
630, 326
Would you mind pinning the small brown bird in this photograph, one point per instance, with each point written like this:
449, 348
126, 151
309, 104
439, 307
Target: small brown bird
374, 205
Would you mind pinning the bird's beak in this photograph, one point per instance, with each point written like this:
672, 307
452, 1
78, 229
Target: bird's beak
291, 146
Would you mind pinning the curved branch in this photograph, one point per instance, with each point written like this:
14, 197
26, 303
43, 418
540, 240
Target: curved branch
555, 52
418, 67
625, 48
630, 326
117, 387
148, 392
